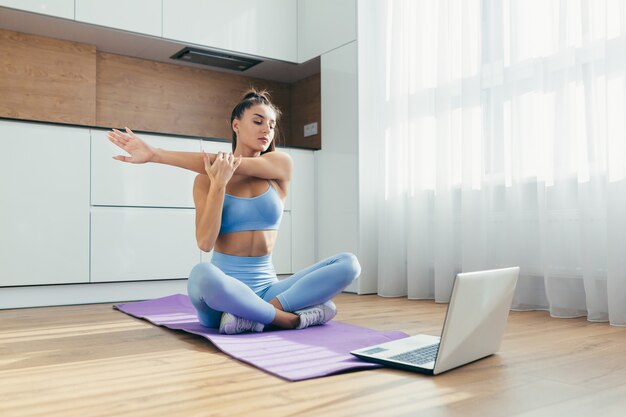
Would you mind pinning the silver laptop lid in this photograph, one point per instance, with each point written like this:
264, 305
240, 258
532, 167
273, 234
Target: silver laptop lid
476, 317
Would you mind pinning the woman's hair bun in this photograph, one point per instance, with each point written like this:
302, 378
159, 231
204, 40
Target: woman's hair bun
262, 95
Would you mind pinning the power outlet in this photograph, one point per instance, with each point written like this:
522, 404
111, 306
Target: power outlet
310, 129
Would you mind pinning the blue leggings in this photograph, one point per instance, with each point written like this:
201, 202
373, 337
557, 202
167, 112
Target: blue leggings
243, 286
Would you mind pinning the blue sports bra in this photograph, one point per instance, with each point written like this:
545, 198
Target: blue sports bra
262, 212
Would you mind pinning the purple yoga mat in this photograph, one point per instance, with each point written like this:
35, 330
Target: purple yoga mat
290, 354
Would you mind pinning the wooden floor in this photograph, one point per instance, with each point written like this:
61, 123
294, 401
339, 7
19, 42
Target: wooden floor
95, 361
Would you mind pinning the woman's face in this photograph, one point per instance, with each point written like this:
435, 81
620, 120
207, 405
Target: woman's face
255, 129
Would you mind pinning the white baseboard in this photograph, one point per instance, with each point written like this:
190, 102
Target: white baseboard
71, 294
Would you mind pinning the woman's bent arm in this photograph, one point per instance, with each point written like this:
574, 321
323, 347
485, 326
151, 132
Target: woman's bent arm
270, 166
208, 195
209, 200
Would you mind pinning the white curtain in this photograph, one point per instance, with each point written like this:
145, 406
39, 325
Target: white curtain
500, 130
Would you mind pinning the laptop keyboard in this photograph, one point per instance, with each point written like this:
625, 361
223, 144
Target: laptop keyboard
418, 356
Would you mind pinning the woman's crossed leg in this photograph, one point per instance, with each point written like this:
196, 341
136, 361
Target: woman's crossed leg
299, 301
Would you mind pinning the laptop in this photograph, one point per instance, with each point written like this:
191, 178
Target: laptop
477, 314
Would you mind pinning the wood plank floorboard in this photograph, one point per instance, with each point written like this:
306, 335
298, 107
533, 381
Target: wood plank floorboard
91, 360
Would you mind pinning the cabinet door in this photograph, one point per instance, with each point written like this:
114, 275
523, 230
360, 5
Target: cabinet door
44, 219
302, 209
134, 244
265, 28
324, 25
281, 256
287, 203
141, 16
337, 164
116, 183
58, 8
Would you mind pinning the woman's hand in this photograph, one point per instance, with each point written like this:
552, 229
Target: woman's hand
222, 169
140, 152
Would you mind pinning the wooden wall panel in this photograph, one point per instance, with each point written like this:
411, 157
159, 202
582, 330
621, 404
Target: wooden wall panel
47, 79
51, 80
167, 98
306, 105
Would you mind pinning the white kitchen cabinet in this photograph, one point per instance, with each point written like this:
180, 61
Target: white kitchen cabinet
108, 230
206, 256
284, 30
303, 219
281, 255
116, 183
288, 201
57, 8
135, 244
264, 28
324, 25
339, 208
141, 16
44, 219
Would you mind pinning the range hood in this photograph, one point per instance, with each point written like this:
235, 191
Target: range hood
215, 59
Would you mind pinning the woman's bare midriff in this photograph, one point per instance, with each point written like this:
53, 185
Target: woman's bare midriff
247, 243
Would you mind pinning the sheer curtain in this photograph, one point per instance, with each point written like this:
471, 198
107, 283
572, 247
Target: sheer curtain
499, 127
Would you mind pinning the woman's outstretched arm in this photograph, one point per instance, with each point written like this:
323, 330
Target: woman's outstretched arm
272, 165
140, 153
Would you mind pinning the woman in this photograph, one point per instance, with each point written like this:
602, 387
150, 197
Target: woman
239, 203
